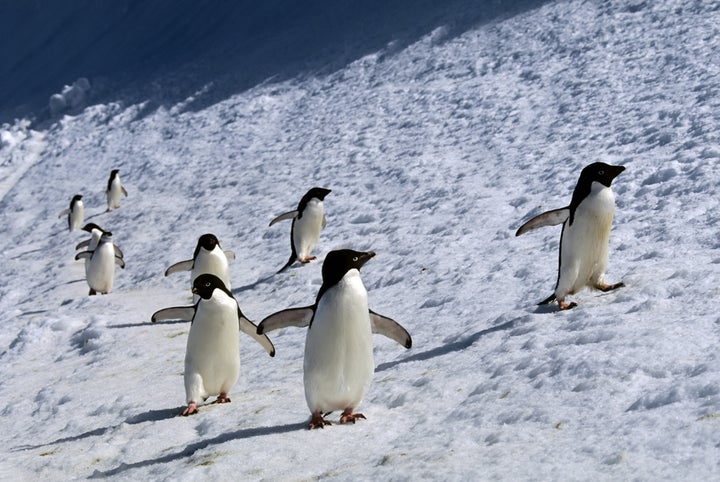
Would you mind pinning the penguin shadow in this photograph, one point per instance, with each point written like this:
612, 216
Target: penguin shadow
151, 416
546, 309
188, 451
254, 284
458, 345
25, 253
148, 323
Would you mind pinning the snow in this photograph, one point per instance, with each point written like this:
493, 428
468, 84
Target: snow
436, 150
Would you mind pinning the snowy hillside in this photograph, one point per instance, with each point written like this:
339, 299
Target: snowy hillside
437, 147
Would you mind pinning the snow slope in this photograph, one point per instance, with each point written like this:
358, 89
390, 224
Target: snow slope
436, 151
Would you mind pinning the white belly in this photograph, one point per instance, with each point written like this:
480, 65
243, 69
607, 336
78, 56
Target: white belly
100, 268
584, 248
306, 230
76, 216
338, 364
212, 358
113, 195
211, 262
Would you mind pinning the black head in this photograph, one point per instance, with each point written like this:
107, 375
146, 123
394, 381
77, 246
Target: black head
114, 173
77, 197
207, 241
316, 192
90, 226
338, 263
600, 172
205, 284
106, 237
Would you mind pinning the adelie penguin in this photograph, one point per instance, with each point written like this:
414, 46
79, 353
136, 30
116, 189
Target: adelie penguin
338, 365
307, 221
208, 257
585, 234
96, 233
212, 358
75, 213
114, 190
100, 265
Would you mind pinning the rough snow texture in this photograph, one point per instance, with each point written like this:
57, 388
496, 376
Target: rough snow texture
435, 153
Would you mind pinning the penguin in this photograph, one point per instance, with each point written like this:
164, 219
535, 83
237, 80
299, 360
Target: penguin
212, 357
114, 189
100, 268
585, 233
338, 364
95, 234
75, 213
208, 257
307, 221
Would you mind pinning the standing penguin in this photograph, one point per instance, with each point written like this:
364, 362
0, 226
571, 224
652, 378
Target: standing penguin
585, 234
95, 234
307, 221
212, 358
100, 268
338, 364
114, 189
75, 213
209, 257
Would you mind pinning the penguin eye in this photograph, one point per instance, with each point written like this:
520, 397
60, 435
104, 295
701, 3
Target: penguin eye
355, 258
601, 172
207, 284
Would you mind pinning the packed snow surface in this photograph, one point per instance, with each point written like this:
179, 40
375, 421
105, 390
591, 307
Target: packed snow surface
436, 151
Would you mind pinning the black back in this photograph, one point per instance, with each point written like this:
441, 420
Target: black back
337, 264
205, 284
595, 172
113, 175
316, 192
207, 241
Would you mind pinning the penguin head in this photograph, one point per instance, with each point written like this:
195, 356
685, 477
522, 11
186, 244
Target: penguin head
206, 283
600, 172
106, 237
114, 173
77, 197
338, 263
90, 226
316, 192
208, 241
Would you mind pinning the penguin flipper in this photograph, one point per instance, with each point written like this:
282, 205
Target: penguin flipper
122, 188
324, 222
64, 212
548, 218
290, 262
186, 265
84, 255
390, 328
229, 254
548, 300
118, 252
299, 317
120, 262
174, 313
249, 328
284, 216
82, 244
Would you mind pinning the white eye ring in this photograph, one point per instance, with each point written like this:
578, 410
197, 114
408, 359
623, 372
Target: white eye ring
355, 258
601, 173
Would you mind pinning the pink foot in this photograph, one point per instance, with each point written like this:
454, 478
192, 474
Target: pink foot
191, 409
317, 421
306, 259
348, 416
222, 398
566, 306
606, 287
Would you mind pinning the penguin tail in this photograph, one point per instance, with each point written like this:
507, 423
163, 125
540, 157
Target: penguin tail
287, 265
548, 300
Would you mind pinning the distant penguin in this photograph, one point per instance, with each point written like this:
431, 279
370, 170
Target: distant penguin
100, 268
208, 257
212, 358
307, 221
114, 189
585, 234
75, 213
95, 234
338, 364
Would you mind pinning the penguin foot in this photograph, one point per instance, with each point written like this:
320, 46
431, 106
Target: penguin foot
307, 259
566, 306
222, 398
191, 409
317, 421
606, 287
92, 292
349, 416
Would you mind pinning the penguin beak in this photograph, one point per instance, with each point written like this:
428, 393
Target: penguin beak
365, 257
194, 290
617, 170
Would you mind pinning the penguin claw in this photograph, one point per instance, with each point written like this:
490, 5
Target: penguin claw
307, 259
566, 306
191, 409
606, 287
348, 416
222, 398
317, 421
